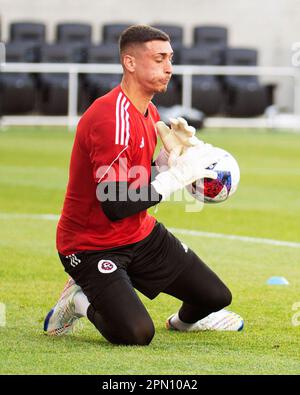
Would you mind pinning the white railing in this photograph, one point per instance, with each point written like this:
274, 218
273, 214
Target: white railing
187, 71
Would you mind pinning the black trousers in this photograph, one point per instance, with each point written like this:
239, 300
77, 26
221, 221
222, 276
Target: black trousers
159, 263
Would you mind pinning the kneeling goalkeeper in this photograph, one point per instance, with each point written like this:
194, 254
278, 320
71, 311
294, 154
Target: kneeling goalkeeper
107, 242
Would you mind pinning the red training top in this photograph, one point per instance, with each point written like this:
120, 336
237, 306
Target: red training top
112, 139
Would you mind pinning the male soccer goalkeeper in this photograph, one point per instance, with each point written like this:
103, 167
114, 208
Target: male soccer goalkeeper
107, 242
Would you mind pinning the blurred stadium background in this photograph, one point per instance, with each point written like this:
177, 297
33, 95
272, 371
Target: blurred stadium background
208, 35
248, 239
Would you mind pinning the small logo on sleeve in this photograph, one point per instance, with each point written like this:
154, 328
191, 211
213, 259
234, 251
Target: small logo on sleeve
142, 143
105, 266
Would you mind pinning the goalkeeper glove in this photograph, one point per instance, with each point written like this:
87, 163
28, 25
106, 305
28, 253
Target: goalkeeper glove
177, 138
184, 132
161, 162
189, 167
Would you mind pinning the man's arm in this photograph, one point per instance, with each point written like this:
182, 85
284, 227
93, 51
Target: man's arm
121, 202
118, 201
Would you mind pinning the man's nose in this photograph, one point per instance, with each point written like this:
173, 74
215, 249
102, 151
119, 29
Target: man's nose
169, 68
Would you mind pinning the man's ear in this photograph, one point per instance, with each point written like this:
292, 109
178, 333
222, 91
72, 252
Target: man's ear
129, 63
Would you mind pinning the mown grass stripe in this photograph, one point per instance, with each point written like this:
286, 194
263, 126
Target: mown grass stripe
187, 232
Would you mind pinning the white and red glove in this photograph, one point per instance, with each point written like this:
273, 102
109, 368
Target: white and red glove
162, 160
177, 138
187, 168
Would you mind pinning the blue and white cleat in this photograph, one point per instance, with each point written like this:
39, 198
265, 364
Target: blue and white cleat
62, 318
223, 320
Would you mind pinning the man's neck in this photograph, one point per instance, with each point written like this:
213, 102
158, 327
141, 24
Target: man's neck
139, 99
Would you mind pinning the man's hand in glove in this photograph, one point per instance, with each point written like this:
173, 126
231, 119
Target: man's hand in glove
177, 138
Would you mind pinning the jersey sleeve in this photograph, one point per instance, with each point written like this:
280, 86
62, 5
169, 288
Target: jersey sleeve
110, 155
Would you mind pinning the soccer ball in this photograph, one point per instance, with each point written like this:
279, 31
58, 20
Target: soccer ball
218, 190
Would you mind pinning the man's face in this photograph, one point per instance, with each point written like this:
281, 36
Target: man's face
153, 65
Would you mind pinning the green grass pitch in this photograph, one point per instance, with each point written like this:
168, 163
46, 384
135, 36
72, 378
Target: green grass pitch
33, 177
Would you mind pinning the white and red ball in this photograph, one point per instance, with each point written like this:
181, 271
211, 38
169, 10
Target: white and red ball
218, 190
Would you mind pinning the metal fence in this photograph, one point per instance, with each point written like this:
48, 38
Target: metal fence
186, 71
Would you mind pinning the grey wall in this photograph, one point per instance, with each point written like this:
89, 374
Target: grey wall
269, 25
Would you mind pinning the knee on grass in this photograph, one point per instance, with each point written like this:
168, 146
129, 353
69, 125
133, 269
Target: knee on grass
139, 333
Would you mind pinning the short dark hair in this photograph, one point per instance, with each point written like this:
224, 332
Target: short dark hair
139, 34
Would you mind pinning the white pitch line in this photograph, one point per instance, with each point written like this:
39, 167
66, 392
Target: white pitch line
186, 232
247, 239
47, 217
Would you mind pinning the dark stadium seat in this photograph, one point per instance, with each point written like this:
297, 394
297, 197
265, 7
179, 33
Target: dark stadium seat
28, 31
17, 90
175, 32
74, 33
210, 35
112, 31
17, 51
98, 84
213, 37
77, 35
246, 96
54, 86
207, 94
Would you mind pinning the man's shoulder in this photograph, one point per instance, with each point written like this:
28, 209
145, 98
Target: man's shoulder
102, 124
102, 107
